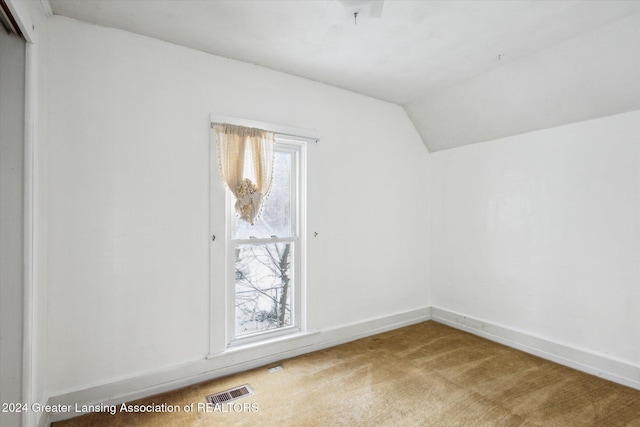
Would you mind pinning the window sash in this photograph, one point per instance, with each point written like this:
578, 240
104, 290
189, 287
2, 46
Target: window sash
284, 145
295, 299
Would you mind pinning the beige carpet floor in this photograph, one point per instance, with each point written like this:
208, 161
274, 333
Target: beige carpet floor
422, 375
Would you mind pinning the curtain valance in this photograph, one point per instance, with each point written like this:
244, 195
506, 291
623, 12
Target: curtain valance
245, 153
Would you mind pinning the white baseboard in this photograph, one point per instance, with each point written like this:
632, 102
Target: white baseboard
227, 363
617, 371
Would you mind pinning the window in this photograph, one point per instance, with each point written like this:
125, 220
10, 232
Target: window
266, 259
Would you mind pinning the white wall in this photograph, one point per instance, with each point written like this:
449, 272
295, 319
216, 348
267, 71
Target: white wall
541, 232
128, 203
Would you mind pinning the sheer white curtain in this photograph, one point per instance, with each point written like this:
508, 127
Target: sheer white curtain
246, 153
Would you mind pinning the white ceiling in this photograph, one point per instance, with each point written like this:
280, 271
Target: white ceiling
416, 52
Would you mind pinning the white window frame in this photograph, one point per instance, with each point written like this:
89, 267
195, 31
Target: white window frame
220, 232
298, 147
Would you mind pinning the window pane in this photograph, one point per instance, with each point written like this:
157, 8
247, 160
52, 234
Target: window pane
275, 219
263, 286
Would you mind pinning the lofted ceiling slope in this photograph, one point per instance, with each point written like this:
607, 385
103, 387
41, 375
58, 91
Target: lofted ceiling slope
465, 71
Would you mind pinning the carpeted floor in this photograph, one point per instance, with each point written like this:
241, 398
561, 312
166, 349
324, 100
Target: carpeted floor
422, 375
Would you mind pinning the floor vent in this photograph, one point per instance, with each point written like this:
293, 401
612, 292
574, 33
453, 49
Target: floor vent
230, 395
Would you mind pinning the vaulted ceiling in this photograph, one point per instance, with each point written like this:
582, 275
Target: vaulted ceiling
464, 71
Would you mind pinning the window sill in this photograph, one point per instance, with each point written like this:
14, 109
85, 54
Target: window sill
240, 347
